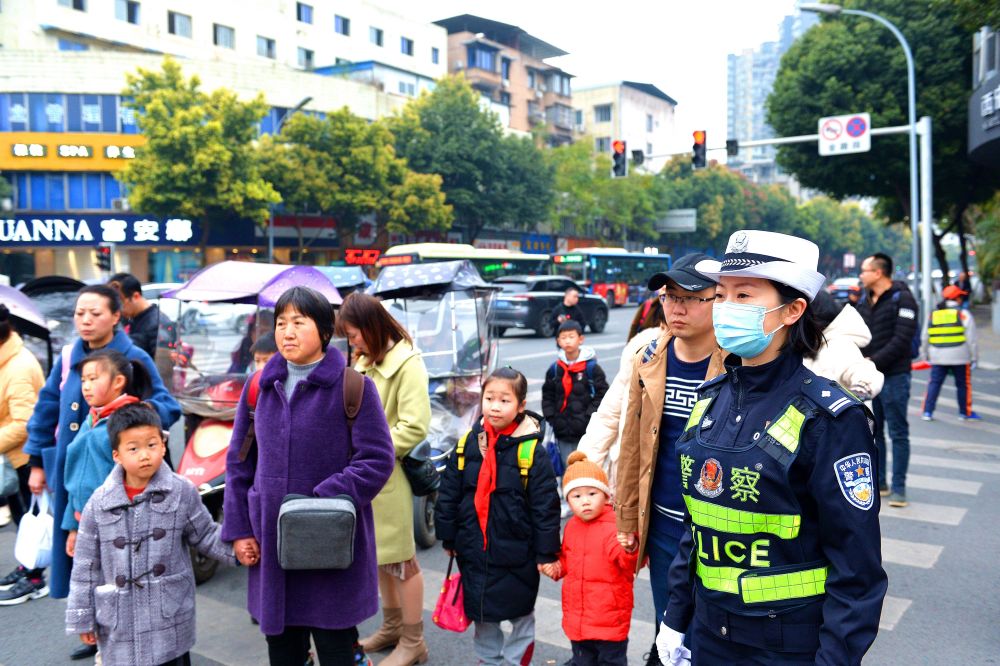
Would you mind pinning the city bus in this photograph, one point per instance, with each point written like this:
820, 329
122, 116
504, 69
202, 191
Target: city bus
614, 273
490, 263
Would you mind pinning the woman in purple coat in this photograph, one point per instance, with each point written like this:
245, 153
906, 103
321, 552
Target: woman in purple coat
305, 446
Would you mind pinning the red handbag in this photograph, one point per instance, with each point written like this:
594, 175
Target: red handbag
449, 613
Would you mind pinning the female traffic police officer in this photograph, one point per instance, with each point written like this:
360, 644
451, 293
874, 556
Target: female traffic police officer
782, 563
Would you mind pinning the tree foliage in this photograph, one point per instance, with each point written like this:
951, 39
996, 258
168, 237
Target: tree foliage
199, 160
487, 177
848, 64
347, 168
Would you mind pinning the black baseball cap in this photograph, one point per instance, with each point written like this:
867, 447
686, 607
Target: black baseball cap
683, 273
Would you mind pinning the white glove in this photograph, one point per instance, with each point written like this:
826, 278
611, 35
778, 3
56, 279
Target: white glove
670, 647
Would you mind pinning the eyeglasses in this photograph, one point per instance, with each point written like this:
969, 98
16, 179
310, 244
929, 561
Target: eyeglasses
685, 300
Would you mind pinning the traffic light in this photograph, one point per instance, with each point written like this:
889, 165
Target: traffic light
104, 254
732, 147
619, 168
638, 157
698, 160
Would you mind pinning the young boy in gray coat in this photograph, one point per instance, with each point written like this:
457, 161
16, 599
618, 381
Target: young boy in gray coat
132, 588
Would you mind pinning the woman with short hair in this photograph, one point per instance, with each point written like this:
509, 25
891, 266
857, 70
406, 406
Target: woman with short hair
387, 356
305, 445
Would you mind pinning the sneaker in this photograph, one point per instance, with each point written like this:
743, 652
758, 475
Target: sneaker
360, 658
883, 491
10, 579
24, 590
5, 516
898, 500
971, 416
927, 416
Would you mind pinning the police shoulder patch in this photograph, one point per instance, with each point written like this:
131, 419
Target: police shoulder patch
856, 480
828, 395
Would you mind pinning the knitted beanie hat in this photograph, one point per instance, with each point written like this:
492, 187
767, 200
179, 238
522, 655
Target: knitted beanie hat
580, 472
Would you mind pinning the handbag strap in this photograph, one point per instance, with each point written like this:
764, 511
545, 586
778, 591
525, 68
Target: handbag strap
451, 560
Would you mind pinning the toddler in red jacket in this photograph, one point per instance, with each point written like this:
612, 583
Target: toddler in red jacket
596, 598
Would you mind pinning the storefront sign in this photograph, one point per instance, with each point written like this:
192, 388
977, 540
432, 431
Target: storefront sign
358, 256
538, 244
984, 123
67, 151
133, 230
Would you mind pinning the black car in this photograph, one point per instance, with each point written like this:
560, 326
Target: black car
845, 290
527, 301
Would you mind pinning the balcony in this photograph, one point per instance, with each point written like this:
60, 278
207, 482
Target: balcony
483, 79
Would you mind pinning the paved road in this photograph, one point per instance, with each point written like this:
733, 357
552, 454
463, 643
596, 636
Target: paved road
939, 553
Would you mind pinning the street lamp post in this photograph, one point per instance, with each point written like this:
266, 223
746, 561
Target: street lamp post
911, 94
270, 221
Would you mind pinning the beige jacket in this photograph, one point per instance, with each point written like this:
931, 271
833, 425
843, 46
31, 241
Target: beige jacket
640, 442
602, 441
21, 379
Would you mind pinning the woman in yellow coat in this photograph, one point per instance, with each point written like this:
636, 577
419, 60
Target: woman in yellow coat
386, 354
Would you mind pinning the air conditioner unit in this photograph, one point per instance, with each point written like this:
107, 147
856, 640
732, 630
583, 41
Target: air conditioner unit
459, 64
120, 203
538, 94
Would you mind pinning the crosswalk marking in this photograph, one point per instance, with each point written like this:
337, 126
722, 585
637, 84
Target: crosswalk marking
892, 612
950, 389
955, 446
968, 466
943, 484
922, 511
910, 553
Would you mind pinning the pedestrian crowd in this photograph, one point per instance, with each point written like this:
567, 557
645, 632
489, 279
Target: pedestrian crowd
739, 453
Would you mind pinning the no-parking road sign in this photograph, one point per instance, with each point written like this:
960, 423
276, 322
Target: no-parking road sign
840, 135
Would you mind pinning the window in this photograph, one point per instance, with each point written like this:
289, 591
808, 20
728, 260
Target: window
70, 45
179, 24
649, 122
435, 55
304, 12
505, 69
79, 5
375, 35
649, 149
578, 117
602, 144
481, 58
342, 25
532, 80
559, 83
305, 58
224, 36
407, 88
127, 10
602, 113
265, 47
406, 46
505, 98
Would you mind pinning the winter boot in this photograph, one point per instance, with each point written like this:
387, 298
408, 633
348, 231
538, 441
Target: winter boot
411, 648
388, 634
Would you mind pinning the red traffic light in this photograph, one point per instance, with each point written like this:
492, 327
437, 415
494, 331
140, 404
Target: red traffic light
699, 137
618, 146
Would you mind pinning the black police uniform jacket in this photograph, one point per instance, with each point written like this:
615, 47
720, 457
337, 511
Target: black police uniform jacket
784, 550
500, 582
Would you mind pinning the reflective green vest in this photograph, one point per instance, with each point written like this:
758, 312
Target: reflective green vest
946, 329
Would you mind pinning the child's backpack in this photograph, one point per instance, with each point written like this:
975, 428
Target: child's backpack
589, 373
354, 391
525, 455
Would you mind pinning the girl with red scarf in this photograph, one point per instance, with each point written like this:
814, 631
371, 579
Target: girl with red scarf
498, 515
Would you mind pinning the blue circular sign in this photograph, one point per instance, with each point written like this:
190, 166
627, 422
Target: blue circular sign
856, 126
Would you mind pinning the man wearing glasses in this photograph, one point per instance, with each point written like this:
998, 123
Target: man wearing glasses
663, 389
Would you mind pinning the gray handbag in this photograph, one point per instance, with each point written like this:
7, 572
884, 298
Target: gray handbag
316, 532
8, 477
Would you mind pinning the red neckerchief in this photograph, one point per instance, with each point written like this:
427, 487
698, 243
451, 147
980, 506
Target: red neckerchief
567, 379
98, 413
487, 481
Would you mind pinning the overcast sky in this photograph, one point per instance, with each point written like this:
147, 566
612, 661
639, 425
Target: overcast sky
680, 46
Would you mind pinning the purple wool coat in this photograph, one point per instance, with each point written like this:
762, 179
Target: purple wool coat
304, 447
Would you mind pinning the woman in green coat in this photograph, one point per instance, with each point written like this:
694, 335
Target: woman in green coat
386, 354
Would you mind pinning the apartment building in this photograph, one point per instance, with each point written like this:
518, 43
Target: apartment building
507, 65
65, 127
639, 113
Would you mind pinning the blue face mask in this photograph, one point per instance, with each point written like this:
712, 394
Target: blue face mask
739, 328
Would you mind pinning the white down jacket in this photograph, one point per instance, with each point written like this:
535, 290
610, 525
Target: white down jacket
840, 357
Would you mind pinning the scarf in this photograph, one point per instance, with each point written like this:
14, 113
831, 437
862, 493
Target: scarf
98, 413
487, 481
569, 369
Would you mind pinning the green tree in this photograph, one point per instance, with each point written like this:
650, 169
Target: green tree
347, 168
5, 187
488, 178
199, 160
849, 64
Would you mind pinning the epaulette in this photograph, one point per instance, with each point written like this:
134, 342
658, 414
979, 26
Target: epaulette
647, 355
828, 395
708, 383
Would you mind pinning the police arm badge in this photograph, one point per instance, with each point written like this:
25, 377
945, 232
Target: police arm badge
856, 480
